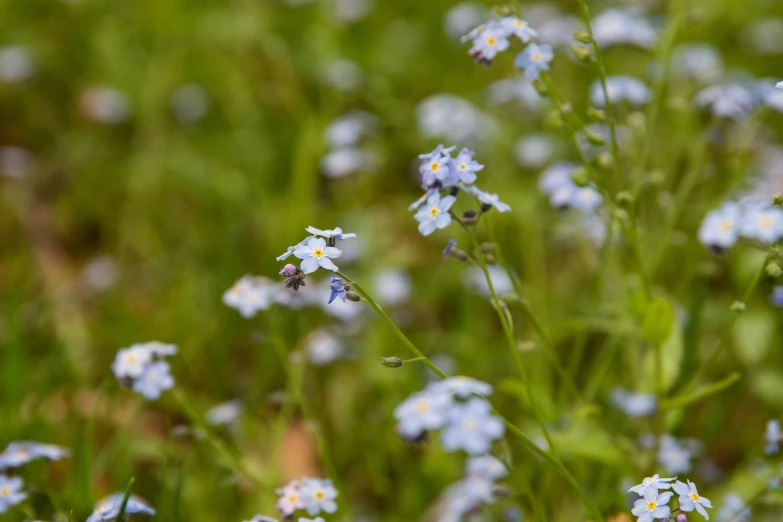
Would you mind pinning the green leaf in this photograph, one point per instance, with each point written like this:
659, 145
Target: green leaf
658, 321
752, 335
672, 354
700, 393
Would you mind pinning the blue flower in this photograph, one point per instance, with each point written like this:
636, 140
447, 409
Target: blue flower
464, 167
486, 467
488, 41
655, 482
316, 254
155, 380
652, 506
472, 427
488, 199
422, 412
777, 296
435, 166
248, 296
779, 85
336, 233
690, 499
773, 436
435, 215
519, 28
337, 289
11, 492
634, 404
730, 100
720, 228
449, 247
614, 26
620, 88
109, 507
462, 387
20, 453
534, 59
734, 509
672, 456
762, 222
318, 495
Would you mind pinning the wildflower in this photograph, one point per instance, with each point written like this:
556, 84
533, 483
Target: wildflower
486, 467
290, 499
690, 499
488, 42
779, 85
465, 167
338, 290
131, 362
634, 404
155, 380
346, 160
250, 294
462, 387
490, 200
315, 253
733, 509
11, 492
719, 229
348, 129
20, 453
16, 64
620, 88
614, 26
421, 412
764, 223
477, 283
655, 482
318, 495
519, 28
555, 176
435, 215
322, 347
392, 286
534, 59
336, 233
109, 507
472, 427
224, 414
777, 296
449, 117
673, 456
261, 518
730, 100
449, 247
435, 166
316, 519
652, 506
773, 436
699, 61
289, 270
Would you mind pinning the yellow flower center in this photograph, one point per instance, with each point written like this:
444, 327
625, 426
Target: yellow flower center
318, 252
518, 23
470, 424
434, 211
725, 225
131, 359
491, 40
651, 505
536, 57
5, 492
434, 166
292, 498
319, 495
462, 166
422, 406
695, 497
765, 222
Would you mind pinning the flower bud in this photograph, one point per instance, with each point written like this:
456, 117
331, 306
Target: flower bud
458, 254
581, 53
682, 517
487, 247
453, 191
624, 197
353, 296
737, 306
295, 281
289, 270
605, 160
469, 214
470, 220
773, 269
583, 36
594, 139
486, 207
391, 362
596, 114
579, 176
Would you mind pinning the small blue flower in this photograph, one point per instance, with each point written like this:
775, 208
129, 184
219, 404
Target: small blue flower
109, 507
773, 436
690, 499
435, 215
155, 380
720, 228
486, 467
422, 412
464, 167
450, 246
762, 222
316, 254
655, 482
462, 387
652, 506
471, 427
11, 492
777, 296
779, 85
488, 199
534, 59
674, 457
336, 233
620, 88
488, 42
615, 26
730, 100
519, 28
290, 250
318, 495
435, 166
634, 404
337, 289
20, 453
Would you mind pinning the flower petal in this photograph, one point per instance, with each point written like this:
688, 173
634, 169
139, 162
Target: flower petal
309, 265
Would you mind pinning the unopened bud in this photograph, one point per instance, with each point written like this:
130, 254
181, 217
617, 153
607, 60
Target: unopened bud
469, 214
580, 177
682, 517
624, 197
583, 36
541, 87
501, 491
737, 306
581, 53
777, 199
596, 114
594, 139
289, 270
391, 362
458, 254
353, 296
453, 191
554, 119
773, 269
470, 220
486, 207
487, 248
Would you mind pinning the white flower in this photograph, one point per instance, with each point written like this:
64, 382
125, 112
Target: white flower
316, 254
435, 214
652, 506
224, 414
655, 482
131, 362
690, 499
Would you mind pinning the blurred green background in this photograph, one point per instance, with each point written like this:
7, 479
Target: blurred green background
129, 205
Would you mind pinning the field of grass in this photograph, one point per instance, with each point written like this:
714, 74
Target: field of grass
154, 152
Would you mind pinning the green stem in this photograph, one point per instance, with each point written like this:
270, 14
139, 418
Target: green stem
125, 498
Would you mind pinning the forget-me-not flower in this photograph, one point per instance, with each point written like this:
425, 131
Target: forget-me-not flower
224, 414
250, 294
486, 467
690, 498
422, 412
435, 214
109, 507
155, 380
472, 427
730, 100
519, 28
489, 41
673, 456
449, 247
779, 85
20, 453
11, 492
615, 26
462, 387
534, 59
486, 198
336, 233
131, 362
261, 518
720, 228
634, 404
435, 166
652, 506
337, 288
465, 167
773, 436
316, 254
318, 495
762, 222
655, 482
620, 88
777, 296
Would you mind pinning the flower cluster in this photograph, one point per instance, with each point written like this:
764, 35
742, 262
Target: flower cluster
654, 503
15, 455
458, 407
493, 37
475, 489
316, 251
443, 177
752, 219
311, 494
251, 294
142, 368
109, 507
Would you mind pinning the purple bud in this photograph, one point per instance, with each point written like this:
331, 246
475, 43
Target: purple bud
681, 518
289, 270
